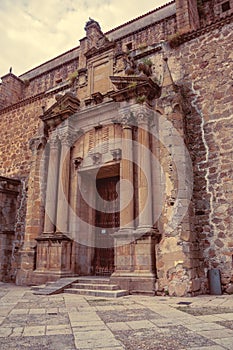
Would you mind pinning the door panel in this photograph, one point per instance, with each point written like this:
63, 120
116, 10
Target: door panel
107, 221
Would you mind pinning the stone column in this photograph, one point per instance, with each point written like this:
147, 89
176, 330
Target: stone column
52, 184
145, 221
63, 185
157, 184
126, 173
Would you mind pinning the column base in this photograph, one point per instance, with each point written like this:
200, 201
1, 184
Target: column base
147, 231
36, 278
135, 282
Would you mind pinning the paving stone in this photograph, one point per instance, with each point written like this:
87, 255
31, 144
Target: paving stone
33, 331
204, 326
227, 316
154, 328
4, 311
85, 324
109, 348
19, 311
217, 333
57, 342
140, 324
89, 328
1, 319
118, 326
96, 343
212, 347
37, 311
17, 332
5, 331
20, 320
209, 318
127, 315
151, 339
58, 329
227, 324
227, 343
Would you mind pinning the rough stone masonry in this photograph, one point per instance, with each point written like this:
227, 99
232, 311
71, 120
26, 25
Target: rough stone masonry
116, 156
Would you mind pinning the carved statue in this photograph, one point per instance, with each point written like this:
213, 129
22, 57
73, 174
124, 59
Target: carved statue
141, 68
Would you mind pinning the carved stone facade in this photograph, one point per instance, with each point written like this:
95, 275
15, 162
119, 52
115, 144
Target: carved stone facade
122, 179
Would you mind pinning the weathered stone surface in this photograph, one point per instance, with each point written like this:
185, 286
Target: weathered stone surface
193, 225
229, 289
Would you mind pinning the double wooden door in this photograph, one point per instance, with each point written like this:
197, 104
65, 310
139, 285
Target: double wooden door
107, 221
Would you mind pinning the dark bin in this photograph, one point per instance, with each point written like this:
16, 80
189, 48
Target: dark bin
214, 282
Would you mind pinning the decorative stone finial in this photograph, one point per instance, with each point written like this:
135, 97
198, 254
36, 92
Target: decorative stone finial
92, 23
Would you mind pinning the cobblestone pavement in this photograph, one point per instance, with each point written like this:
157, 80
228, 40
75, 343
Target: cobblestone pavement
70, 322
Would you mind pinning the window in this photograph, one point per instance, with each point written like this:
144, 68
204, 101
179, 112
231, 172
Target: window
129, 46
226, 6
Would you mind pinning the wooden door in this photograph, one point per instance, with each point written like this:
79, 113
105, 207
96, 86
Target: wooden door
107, 221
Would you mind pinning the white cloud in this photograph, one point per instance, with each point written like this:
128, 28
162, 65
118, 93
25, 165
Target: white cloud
34, 31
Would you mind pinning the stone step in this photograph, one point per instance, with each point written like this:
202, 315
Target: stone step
98, 293
95, 286
55, 287
93, 280
38, 287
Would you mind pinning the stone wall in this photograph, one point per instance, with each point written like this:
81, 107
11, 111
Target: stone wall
11, 89
205, 73
55, 78
19, 124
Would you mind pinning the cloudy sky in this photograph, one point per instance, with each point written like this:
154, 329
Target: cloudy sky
34, 31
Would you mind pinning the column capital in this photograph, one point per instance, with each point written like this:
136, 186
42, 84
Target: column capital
144, 117
36, 142
67, 139
54, 141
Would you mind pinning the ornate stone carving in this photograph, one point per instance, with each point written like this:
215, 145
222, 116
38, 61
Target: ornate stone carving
62, 109
142, 68
67, 139
54, 141
134, 87
77, 162
96, 157
36, 142
127, 119
144, 117
82, 77
116, 154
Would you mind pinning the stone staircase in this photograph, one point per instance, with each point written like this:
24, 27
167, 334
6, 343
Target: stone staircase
54, 287
95, 286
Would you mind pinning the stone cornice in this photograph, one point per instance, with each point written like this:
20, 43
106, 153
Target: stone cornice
134, 87
12, 76
201, 31
97, 51
31, 99
145, 27
64, 107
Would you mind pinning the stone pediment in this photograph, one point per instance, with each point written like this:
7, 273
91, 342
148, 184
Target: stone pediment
129, 87
64, 107
103, 46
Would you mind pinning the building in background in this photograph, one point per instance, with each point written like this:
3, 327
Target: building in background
116, 156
